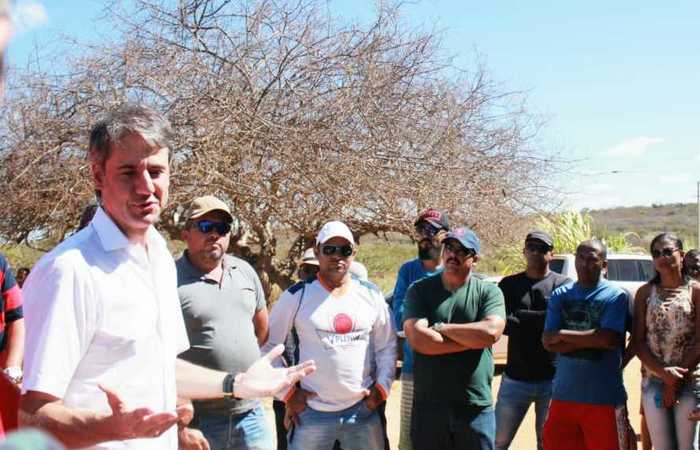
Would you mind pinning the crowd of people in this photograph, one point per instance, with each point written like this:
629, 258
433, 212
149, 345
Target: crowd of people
116, 345
117, 339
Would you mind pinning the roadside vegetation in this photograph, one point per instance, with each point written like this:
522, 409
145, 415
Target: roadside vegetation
384, 254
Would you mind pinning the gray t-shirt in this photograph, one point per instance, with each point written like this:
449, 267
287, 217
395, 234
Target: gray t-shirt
219, 322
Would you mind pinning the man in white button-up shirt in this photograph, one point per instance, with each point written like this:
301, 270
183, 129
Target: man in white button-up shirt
104, 324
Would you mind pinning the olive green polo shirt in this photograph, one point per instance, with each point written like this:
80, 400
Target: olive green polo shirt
462, 378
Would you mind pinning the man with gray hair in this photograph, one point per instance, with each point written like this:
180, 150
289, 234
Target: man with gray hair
104, 325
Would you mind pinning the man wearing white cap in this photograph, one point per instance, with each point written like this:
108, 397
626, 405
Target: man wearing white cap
308, 266
345, 324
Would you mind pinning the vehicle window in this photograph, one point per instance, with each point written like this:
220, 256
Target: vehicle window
556, 265
629, 270
647, 268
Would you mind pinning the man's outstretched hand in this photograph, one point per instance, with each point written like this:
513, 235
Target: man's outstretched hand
136, 423
263, 380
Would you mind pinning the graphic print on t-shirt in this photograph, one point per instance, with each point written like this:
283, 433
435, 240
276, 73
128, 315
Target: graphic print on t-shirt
342, 330
581, 315
342, 323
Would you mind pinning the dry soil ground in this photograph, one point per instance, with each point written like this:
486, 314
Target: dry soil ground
525, 438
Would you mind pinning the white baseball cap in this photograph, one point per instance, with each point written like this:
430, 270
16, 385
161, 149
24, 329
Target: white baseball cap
333, 229
309, 257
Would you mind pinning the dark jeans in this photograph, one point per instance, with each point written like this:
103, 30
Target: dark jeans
279, 409
437, 427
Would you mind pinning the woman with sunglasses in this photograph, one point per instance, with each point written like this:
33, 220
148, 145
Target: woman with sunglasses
666, 324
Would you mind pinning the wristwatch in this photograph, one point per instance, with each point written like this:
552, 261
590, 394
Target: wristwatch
228, 386
438, 326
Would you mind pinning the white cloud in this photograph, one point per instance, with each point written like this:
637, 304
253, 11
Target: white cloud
634, 147
29, 14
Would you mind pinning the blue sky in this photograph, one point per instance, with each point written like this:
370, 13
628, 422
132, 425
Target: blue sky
617, 81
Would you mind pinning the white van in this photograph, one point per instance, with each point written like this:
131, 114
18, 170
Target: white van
627, 270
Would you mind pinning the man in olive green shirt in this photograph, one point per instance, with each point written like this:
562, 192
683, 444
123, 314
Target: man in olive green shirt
451, 320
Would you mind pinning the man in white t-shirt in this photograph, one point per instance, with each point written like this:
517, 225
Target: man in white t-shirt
104, 324
343, 323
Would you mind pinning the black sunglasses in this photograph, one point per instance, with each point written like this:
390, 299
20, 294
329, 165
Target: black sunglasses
458, 250
343, 250
427, 230
207, 226
539, 247
667, 252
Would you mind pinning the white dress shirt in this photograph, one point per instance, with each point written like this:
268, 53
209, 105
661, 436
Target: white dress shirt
100, 309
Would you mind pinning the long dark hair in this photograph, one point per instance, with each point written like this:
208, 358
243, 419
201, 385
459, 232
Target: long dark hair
679, 245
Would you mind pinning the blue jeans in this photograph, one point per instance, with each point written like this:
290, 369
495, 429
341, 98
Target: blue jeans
356, 428
237, 432
669, 428
514, 399
456, 427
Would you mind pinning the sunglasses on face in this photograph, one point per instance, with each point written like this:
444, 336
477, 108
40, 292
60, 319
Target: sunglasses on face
458, 250
666, 252
427, 230
539, 247
207, 226
342, 250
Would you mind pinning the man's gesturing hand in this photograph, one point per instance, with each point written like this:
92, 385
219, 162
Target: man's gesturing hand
135, 423
263, 380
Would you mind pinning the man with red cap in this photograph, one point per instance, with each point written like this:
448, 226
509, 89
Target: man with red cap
430, 228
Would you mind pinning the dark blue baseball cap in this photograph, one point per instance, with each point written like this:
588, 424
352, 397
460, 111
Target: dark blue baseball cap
466, 237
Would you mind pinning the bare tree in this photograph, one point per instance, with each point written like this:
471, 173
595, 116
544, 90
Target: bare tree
292, 116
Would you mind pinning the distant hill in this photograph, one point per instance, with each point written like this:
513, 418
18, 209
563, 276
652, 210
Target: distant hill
647, 221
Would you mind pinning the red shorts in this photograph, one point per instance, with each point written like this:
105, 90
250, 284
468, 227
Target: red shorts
583, 426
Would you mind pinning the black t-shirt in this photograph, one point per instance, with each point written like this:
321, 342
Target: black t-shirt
526, 307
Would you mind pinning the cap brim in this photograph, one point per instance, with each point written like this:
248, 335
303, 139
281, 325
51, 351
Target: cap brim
437, 225
311, 262
328, 238
532, 238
